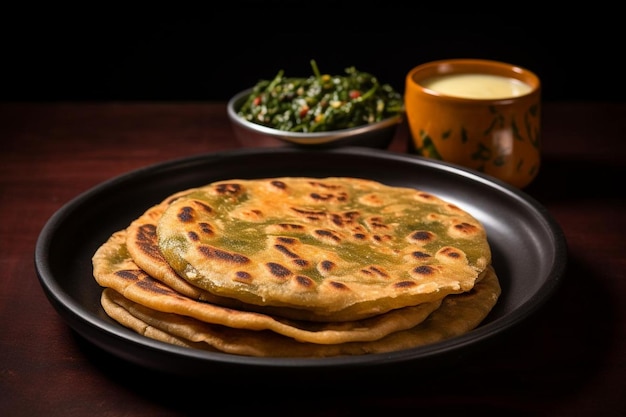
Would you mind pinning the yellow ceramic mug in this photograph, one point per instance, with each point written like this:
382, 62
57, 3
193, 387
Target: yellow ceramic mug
481, 114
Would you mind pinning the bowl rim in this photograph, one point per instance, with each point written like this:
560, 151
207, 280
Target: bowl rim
304, 138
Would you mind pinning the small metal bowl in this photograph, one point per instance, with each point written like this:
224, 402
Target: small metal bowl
374, 135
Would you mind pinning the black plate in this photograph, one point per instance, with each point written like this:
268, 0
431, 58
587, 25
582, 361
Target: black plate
529, 250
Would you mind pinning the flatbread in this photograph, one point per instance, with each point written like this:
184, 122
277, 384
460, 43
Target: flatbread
341, 249
114, 268
457, 315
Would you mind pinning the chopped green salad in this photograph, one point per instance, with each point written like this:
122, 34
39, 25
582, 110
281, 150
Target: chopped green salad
321, 102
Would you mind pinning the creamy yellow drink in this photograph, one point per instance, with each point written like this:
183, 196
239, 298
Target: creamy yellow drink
477, 86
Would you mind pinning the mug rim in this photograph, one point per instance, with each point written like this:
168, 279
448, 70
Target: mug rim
465, 65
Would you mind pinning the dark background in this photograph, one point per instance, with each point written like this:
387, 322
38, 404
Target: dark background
210, 52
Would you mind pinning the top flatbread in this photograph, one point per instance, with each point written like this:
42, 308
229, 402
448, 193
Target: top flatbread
340, 248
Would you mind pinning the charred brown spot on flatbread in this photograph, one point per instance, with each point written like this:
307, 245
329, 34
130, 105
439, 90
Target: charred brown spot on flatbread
206, 228
326, 267
325, 185
339, 285
301, 263
185, 214
327, 236
189, 212
451, 253
286, 227
285, 251
424, 270
278, 271
305, 282
216, 254
252, 215
202, 206
382, 238
405, 284
328, 197
377, 223
421, 237
243, 277
312, 215
287, 247
464, 229
146, 236
373, 270
149, 284
230, 189
279, 184
418, 254
129, 275
337, 219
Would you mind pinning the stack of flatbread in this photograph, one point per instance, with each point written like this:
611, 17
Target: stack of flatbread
299, 267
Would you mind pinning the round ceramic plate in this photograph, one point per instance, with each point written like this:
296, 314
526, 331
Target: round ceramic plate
528, 248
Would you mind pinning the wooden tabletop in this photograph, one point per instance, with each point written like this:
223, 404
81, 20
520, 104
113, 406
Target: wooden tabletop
569, 359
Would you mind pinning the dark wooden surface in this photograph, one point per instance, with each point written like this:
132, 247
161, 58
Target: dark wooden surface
567, 360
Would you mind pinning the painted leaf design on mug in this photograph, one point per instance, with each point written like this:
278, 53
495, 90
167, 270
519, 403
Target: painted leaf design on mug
428, 147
